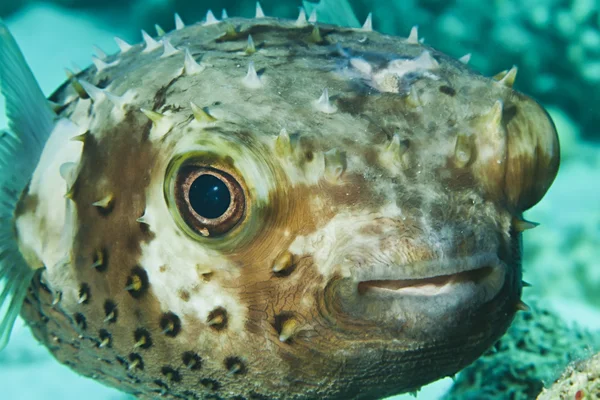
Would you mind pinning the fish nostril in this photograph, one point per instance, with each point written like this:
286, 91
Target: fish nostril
170, 324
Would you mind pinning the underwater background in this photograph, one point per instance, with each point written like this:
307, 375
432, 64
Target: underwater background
555, 44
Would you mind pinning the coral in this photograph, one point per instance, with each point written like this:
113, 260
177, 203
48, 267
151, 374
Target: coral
580, 381
530, 356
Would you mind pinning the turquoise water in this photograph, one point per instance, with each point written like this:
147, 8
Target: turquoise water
555, 43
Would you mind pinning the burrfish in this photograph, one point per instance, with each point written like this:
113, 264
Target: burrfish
267, 209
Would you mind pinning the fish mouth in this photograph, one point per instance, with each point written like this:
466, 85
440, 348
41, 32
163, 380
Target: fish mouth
487, 275
483, 279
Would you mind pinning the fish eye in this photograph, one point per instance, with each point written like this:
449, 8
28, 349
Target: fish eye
210, 201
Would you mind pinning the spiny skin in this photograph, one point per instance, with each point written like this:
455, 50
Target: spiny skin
409, 166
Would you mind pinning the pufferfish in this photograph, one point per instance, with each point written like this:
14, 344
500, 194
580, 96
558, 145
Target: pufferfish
268, 209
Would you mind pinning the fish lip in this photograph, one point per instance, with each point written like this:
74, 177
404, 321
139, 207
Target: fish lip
430, 268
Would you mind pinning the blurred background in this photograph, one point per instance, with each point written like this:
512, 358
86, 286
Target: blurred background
555, 44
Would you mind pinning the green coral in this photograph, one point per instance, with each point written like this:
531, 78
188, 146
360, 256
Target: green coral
534, 351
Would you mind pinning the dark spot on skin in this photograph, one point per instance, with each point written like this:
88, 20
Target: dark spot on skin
142, 338
161, 385
43, 284
80, 321
84, 293
171, 373
235, 366
280, 319
161, 95
184, 295
100, 260
448, 90
192, 360
508, 113
105, 336
190, 395
309, 155
133, 357
103, 83
110, 312
170, 324
137, 283
162, 268
210, 384
258, 396
217, 319
122, 361
352, 105
207, 276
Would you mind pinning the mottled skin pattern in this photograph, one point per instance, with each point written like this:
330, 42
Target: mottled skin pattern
430, 178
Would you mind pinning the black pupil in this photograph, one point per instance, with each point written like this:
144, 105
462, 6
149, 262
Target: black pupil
209, 196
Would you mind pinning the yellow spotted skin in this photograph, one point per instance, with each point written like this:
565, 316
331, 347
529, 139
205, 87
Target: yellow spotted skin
377, 249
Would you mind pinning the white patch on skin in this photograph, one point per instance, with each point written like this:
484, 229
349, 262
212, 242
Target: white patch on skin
49, 229
388, 79
181, 257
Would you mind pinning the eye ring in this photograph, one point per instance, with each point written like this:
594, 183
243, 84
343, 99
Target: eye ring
187, 176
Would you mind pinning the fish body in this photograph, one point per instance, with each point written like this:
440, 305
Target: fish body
266, 208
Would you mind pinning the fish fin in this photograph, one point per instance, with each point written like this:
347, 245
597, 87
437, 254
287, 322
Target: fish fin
31, 121
338, 12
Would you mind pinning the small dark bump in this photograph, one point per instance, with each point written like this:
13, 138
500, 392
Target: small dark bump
448, 90
110, 311
43, 284
235, 366
84, 294
122, 361
105, 338
190, 395
100, 260
184, 295
170, 324
80, 321
217, 319
309, 155
137, 283
136, 360
192, 360
210, 384
161, 385
142, 338
280, 319
171, 373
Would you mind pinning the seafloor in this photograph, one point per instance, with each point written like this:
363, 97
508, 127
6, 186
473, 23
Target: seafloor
556, 44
